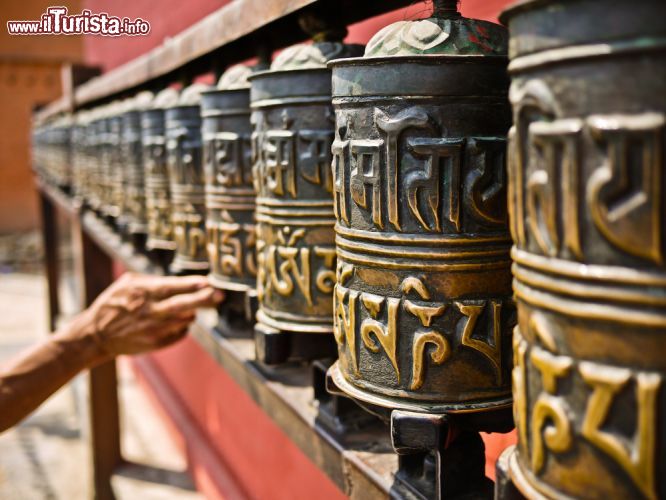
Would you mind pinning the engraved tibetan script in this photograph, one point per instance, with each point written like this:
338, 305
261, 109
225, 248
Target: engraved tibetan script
282, 156
287, 267
623, 193
553, 424
373, 320
225, 153
427, 172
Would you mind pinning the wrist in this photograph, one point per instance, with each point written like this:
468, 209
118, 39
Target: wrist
81, 336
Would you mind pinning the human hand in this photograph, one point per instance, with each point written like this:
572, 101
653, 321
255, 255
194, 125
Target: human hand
140, 313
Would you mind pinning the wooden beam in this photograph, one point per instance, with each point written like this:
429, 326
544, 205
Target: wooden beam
241, 27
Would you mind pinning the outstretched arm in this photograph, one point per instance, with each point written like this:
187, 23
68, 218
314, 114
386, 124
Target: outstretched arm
136, 314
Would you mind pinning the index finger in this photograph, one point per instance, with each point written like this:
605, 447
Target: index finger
159, 287
177, 305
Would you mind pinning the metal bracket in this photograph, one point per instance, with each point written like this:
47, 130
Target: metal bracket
437, 459
274, 347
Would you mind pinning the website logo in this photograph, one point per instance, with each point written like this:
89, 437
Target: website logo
57, 21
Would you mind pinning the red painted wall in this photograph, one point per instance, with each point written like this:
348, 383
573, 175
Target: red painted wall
166, 17
253, 457
236, 445
169, 17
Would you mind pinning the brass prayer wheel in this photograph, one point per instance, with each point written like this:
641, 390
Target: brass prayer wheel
186, 181
422, 305
94, 154
79, 159
134, 206
52, 149
60, 157
156, 175
293, 133
586, 195
227, 134
111, 182
39, 149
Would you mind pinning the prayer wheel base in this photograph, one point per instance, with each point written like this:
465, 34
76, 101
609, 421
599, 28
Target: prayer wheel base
184, 268
486, 416
505, 489
274, 347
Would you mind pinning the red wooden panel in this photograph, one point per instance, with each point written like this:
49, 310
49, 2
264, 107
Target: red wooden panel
252, 449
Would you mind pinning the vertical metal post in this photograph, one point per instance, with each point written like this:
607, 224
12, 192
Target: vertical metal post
50, 241
96, 273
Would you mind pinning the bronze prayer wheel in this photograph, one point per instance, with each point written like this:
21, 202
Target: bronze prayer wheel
586, 195
134, 206
156, 175
186, 181
293, 133
61, 168
78, 154
95, 153
40, 154
54, 147
422, 305
39, 150
111, 185
227, 132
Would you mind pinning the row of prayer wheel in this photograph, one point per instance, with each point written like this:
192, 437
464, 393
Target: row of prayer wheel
371, 197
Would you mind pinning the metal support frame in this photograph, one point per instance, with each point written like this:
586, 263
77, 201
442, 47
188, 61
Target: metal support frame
94, 268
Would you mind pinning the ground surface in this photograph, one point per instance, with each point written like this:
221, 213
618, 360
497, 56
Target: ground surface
45, 457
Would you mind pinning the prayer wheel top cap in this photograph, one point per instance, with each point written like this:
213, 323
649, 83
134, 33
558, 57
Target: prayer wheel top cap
62, 121
316, 55
235, 78
445, 32
191, 96
115, 108
83, 117
143, 100
101, 112
127, 105
165, 98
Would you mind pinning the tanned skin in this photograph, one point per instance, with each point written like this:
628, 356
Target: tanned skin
136, 314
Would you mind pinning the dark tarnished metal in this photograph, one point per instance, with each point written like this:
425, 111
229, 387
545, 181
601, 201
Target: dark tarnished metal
586, 198
156, 174
53, 149
423, 309
78, 154
422, 305
293, 132
63, 140
227, 133
95, 148
134, 206
186, 181
111, 185
39, 150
